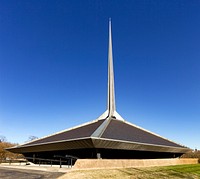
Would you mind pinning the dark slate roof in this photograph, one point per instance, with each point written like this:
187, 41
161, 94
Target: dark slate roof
105, 133
74, 133
120, 130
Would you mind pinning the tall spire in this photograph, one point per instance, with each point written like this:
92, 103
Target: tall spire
111, 112
111, 90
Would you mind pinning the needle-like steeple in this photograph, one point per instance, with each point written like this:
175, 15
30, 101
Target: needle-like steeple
111, 90
111, 112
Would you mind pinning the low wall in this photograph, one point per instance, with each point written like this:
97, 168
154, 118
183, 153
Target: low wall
129, 163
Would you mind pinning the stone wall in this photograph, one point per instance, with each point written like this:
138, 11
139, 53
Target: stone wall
82, 164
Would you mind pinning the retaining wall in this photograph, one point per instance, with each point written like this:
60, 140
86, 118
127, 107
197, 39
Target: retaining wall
129, 163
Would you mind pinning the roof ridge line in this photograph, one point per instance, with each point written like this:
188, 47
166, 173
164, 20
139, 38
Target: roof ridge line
99, 131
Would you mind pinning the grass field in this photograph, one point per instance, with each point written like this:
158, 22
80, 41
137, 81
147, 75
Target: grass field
175, 172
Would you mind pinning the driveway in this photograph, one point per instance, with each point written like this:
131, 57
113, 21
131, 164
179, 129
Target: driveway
14, 173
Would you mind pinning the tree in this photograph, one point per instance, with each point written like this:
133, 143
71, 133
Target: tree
2, 138
4, 154
30, 138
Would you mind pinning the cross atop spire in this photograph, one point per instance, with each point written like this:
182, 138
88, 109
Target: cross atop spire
111, 90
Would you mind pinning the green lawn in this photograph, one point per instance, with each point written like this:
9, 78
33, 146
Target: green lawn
170, 172
184, 169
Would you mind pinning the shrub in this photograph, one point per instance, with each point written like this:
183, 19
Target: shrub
192, 154
4, 154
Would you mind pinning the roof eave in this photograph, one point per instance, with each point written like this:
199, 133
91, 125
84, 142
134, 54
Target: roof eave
95, 142
128, 145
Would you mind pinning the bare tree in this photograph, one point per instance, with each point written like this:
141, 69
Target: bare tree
30, 138
2, 138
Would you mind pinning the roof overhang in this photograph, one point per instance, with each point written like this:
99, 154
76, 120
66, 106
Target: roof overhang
127, 145
92, 142
54, 146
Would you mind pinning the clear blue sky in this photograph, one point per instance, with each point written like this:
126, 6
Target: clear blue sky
53, 65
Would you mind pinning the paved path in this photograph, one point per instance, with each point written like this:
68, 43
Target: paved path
16, 173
